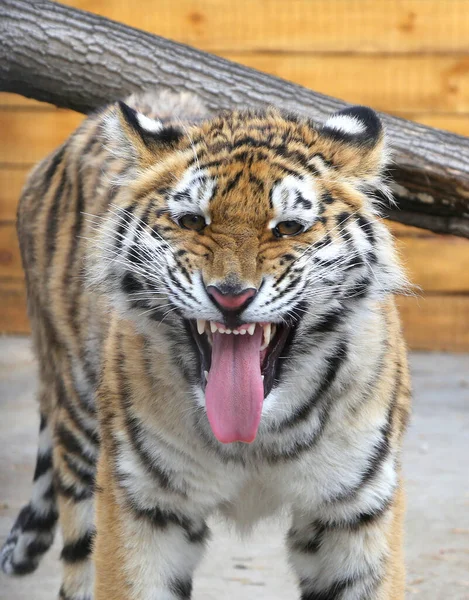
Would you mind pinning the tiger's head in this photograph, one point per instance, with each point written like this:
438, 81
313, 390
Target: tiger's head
247, 232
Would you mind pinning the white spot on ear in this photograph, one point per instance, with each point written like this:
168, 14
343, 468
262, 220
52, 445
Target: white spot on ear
150, 125
345, 124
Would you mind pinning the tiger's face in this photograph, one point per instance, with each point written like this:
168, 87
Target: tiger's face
248, 231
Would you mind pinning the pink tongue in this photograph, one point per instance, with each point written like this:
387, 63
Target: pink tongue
235, 391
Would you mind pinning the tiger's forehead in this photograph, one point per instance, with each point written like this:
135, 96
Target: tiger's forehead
249, 167
254, 192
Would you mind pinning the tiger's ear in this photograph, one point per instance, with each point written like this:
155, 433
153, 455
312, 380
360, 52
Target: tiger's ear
145, 137
357, 144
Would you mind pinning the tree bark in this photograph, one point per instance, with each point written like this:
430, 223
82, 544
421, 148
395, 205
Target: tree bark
78, 60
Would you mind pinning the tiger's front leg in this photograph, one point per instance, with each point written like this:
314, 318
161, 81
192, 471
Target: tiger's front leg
355, 557
142, 554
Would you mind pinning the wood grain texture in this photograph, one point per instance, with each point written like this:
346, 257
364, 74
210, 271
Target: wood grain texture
28, 136
10, 258
394, 83
374, 26
11, 184
69, 71
437, 263
439, 322
13, 316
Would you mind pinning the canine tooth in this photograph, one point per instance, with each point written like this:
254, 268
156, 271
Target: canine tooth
201, 326
213, 327
251, 328
266, 336
262, 377
206, 375
235, 332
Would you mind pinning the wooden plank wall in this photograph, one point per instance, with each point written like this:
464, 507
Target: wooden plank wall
406, 57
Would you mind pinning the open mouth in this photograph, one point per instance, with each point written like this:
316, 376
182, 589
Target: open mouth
238, 370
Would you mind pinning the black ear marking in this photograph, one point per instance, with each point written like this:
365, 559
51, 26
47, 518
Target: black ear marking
358, 125
151, 131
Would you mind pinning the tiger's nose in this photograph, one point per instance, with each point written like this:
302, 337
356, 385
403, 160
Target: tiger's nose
229, 300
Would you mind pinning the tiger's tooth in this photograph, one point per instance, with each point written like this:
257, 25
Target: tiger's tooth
206, 375
201, 326
251, 328
213, 327
266, 336
262, 377
227, 330
235, 332
242, 332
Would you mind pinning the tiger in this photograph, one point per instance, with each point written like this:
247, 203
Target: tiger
212, 303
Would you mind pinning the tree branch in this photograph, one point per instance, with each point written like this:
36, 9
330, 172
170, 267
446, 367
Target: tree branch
78, 60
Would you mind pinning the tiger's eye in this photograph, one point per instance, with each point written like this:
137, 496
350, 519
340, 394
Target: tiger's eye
286, 228
192, 221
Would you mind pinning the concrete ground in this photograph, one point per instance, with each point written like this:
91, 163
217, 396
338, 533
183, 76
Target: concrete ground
436, 467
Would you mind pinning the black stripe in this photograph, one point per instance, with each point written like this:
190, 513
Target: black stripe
181, 588
30, 520
198, 536
43, 423
183, 269
86, 478
367, 228
328, 322
333, 592
135, 430
71, 443
161, 519
46, 178
43, 464
179, 286
359, 520
333, 362
53, 218
53, 166
69, 491
64, 596
233, 182
357, 290
257, 182
24, 567
79, 549
130, 284
309, 545
66, 402
38, 547
302, 201
306, 546
327, 198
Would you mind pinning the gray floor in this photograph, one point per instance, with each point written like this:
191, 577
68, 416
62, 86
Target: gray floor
436, 461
